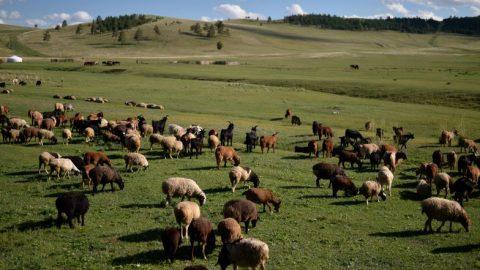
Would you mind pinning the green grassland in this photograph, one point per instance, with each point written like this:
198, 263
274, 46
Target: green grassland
311, 231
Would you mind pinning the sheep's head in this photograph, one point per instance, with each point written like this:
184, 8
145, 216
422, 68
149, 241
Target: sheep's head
202, 198
254, 179
465, 221
224, 258
383, 195
54, 140
236, 160
276, 204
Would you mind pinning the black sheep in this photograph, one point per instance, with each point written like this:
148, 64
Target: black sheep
326, 171
251, 139
103, 175
463, 188
74, 205
296, 120
341, 182
375, 159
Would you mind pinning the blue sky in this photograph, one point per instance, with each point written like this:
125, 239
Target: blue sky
46, 13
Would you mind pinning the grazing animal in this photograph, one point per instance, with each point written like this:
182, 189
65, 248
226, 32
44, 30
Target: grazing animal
159, 126
17, 123
229, 230
171, 241
326, 171
169, 143
463, 189
447, 137
437, 158
444, 210
36, 117
46, 134
327, 148
324, 131
263, 196
66, 135
73, 205
185, 213
226, 135
288, 113
296, 120
464, 161
473, 173
38, 83
176, 130
103, 175
243, 174
424, 189
133, 142
404, 138
44, 159
385, 179
247, 252
28, 133
135, 159
398, 131
65, 165
89, 134
375, 160
354, 135
451, 159
372, 188
96, 158
197, 144
214, 142
223, 153
442, 181
251, 139
315, 128
349, 156
392, 159
242, 211
182, 187
48, 123
369, 126
344, 183
268, 142
201, 231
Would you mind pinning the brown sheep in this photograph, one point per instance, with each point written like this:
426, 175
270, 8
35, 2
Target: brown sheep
344, 183
171, 241
29, 133
49, 123
201, 231
268, 142
242, 211
451, 159
387, 148
369, 126
446, 137
36, 117
229, 230
349, 156
263, 196
326, 171
224, 153
437, 158
473, 173
96, 158
103, 175
327, 148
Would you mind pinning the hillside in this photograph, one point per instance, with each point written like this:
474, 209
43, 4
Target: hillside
246, 38
9, 43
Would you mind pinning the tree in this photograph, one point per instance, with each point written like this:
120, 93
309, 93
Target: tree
156, 29
93, 28
57, 27
196, 28
36, 26
122, 38
220, 26
46, 36
138, 34
269, 20
64, 23
219, 45
115, 32
211, 31
78, 31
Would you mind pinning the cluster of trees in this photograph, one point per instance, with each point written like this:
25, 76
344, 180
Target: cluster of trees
116, 24
210, 30
467, 25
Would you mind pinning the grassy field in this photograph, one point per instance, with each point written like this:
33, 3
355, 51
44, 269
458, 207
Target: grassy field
312, 230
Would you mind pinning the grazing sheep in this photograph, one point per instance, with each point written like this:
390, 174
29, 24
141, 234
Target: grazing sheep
17, 123
182, 187
176, 130
437, 158
146, 130
375, 160
444, 210
135, 159
326, 171
296, 120
28, 133
169, 144
224, 153
133, 142
103, 175
372, 188
201, 231
327, 148
68, 107
14, 135
243, 174
44, 159
427, 169
392, 159
447, 137
387, 148
268, 142
59, 107
385, 178
89, 134
142, 105
109, 137
171, 241
213, 142
451, 159
66, 135
442, 181
263, 196
69, 97
185, 213
64, 165
288, 113
349, 156
344, 183
46, 134
242, 211
463, 189
229, 230
424, 189
246, 252
36, 117
368, 149
464, 161
369, 126
49, 123
96, 158
473, 173
74, 205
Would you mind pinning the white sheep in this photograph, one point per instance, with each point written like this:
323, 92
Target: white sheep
44, 159
46, 134
424, 189
385, 178
133, 142
169, 144
372, 188
176, 130
147, 130
185, 212
135, 159
242, 174
18, 123
246, 252
182, 187
64, 165
66, 135
59, 107
444, 210
442, 181
213, 142
369, 148
89, 134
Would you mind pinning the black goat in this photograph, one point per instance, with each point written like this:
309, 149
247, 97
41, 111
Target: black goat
197, 144
296, 120
226, 135
354, 135
251, 139
159, 126
403, 139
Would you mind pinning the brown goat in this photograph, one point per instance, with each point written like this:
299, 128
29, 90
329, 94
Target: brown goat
451, 159
201, 231
268, 142
263, 196
324, 131
327, 147
224, 153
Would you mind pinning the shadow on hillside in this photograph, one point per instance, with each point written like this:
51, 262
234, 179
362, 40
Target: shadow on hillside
347, 203
410, 195
429, 146
218, 190
457, 249
297, 157
151, 257
142, 205
66, 186
277, 119
300, 141
33, 225
405, 176
22, 173
401, 234
204, 168
296, 187
406, 185
315, 197
145, 236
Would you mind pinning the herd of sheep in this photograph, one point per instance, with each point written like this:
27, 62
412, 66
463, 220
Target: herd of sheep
354, 148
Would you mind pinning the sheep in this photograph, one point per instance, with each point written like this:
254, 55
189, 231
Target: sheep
296, 120
169, 144
368, 149
442, 181
89, 134
387, 148
132, 159
103, 175
268, 142
96, 158
463, 188
66, 135
70, 97
451, 159
344, 183
464, 161
473, 173
14, 135
349, 156
65, 165
59, 107
28, 133
133, 142
185, 212
36, 117
429, 170
171, 241
201, 231
109, 137
242, 211
142, 105
213, 142
74, 205
369, 126
229, 230
444, 210
372, 188
182, 187
46, 134
146, 130
392, 159
263, 196
326, 171
246, 252
243, 174
17, 123
446, 137
385, 179
327, 148
437, 158
44, 159
375, 160
48, 123
176, 130
424, 189
155, 106
468, 145
224, 153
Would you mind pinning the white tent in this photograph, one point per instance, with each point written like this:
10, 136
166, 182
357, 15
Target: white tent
14, 59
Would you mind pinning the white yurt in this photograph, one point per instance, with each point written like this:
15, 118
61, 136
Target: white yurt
14, 59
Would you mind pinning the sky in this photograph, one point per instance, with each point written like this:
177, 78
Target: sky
48, 13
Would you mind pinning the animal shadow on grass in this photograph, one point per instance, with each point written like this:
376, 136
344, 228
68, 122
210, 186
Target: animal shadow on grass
145, 236
22, 173
406, 185
401, 234
297, 157
151, 257
405, 176
205, 168
217, 190
33, 225
142, 205
300, 141
115, 156
276, 119
315, 196
457, 249
410, 195
346, 203
296, 187
430, 145
65, 186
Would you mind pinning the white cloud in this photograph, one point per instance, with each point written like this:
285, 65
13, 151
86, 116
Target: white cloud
38, 22
3, 14
2, 22
57, 16
205, 19
82, 16
428, 15
475, 10
236, 12
295, 9
14, 15
398, 8
447, 3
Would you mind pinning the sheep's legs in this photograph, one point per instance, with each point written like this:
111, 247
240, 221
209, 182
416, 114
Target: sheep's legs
440, 228
203, 251
111, 185
450, 230
192, 243
428, 224
186, 230
247, 223
83, 219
